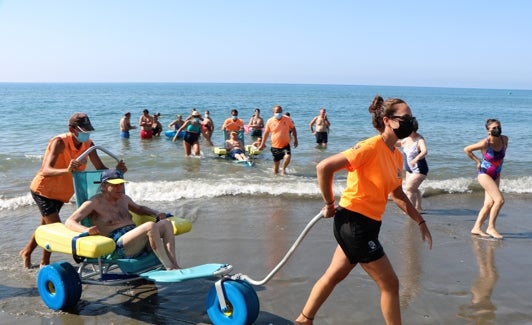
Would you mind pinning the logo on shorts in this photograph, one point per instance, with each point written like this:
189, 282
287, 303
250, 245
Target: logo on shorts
372, 245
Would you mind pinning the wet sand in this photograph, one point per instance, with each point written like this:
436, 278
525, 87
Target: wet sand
462, 280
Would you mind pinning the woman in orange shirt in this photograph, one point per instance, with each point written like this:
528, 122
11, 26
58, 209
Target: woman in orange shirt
374, 171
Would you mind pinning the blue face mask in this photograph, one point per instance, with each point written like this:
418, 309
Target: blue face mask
234, 118
196, 120
83, 136
278, 115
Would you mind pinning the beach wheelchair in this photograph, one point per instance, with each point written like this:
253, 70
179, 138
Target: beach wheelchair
229, 301
250, 150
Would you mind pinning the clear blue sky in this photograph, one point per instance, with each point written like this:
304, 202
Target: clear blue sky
452, 43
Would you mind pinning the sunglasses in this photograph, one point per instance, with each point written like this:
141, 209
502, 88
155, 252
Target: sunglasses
403, 118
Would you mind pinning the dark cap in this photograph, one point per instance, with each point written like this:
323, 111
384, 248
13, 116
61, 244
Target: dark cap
81, 120
112, 176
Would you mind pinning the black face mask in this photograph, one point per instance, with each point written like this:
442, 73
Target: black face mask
496, 132
404, 129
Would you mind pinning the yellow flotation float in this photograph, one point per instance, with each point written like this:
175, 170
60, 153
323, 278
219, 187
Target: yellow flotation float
250, 150
56, 237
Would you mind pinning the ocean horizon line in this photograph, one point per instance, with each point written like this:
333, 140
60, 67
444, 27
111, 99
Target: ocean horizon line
251, 83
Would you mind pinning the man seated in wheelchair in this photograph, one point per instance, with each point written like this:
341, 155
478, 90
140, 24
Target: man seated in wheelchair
109, 216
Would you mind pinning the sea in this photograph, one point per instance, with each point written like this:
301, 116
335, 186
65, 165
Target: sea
158, 170
248, 217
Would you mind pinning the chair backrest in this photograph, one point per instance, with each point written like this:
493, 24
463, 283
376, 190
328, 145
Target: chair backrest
85, 186
240, 136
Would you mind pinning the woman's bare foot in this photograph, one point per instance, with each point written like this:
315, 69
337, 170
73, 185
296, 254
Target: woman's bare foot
494, 233
26, 259
479, 232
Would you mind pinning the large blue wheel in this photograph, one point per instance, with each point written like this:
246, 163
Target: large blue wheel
59, 285
252, 301
242, 302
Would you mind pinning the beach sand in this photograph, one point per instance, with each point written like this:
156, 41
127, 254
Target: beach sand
462, 280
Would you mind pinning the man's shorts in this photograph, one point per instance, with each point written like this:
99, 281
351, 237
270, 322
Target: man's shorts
234, 152
146, 134
46, 206
119, 251
279, 153
358, 236
256, 132
322, 137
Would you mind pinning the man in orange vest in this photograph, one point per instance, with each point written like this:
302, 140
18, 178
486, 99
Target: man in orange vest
53, 186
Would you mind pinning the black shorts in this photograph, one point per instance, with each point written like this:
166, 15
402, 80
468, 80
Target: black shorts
256, 132
46, 206
358, 236
322, 137
279, 153
191, 137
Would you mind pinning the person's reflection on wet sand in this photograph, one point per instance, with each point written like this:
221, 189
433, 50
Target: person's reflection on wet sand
481, 310
410, 272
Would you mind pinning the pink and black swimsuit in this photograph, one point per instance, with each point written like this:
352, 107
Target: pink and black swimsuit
492, 161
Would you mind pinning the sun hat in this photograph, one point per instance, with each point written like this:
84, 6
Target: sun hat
81, 120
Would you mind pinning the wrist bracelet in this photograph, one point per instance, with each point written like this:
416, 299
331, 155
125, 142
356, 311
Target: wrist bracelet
329, 203
421, 222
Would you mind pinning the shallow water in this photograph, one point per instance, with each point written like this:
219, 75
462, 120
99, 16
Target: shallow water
449, 119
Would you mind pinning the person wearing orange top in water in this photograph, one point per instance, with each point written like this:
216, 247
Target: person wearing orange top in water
53, 186
233, 123
279, 127
374, 170
146, 125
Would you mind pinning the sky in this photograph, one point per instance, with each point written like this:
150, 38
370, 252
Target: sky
452, 43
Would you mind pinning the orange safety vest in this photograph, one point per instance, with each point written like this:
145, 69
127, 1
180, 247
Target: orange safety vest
60, 187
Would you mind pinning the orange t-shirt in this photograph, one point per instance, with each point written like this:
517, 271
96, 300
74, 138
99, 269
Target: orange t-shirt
374, 172
60, 187
279, 130
233, 125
